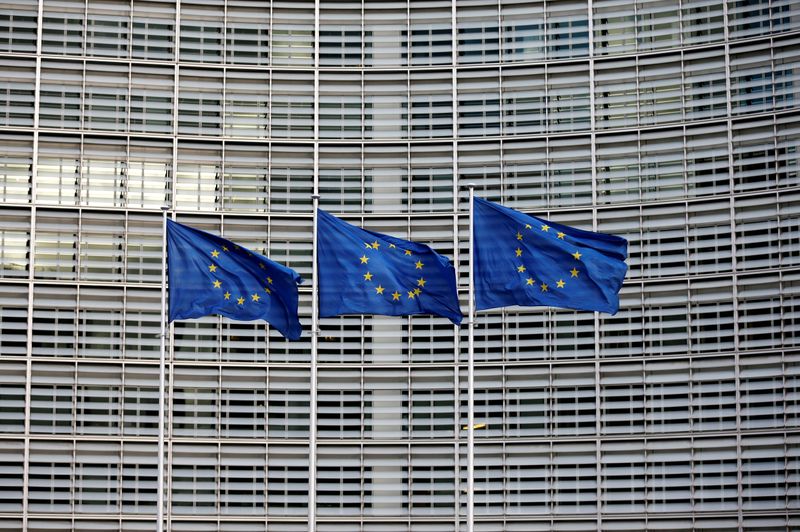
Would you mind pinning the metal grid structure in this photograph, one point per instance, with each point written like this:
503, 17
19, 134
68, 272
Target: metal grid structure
672, 123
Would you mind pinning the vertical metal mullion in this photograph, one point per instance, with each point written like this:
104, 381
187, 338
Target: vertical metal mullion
26, 451
312, 429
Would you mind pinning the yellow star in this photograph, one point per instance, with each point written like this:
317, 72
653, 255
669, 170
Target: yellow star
396, 296
212, 268
411, 294
375, 245
518, 251
368, 245
520, 269
379, 290
408, 252
392, 246
269, 280
261, 265
227, 295
215, 253
367, 276
240, 301
417, 291
574, 272
560, 283
255, 297
419, 264
544, 287
530, 281
577, 255
267, 290
421, 282
545, 228
527, 226
225, 248
364, 259
560, 235
217, 283
519, 235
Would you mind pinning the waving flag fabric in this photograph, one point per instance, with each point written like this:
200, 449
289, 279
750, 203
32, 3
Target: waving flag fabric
211, 275
363, 272
524, 260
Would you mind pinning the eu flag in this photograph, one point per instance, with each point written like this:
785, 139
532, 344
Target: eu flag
524, 260
362, 272
211, 275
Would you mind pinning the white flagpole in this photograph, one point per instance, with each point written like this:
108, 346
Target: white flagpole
312, 420
471, 372
161, 374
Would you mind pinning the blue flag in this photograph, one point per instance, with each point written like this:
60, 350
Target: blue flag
362, 272
524, 260
211, 275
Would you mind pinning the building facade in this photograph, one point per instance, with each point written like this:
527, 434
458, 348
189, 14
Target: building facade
672, 123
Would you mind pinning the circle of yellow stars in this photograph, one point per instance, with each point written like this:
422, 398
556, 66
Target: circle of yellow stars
530, 281
380, 290
239, 300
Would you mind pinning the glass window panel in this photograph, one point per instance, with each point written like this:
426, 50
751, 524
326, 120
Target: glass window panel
149, 173
431, 33
657, 24
702, 21
16, 91
287, 490
62, 27
56, 245
614, 28
246, 178
431, 94
151, 99
54, 321
198, 176
431, 177
200, 102
570, 177
293, 32
13, 321
18, 25
478, 103
478, 34
153, 30
103, 172
292, 100
385, 34
291, 179
385, 106
246, 104
247, 33
52, 395
340, 34
16, 167
568, 98
139, 478
50, 477
523, 32
567, 29
757, 234
108, 28
704, 91
61, 94
385, 179
201, 32
524, 101
340, 101
660, 89
15, 232
707, 166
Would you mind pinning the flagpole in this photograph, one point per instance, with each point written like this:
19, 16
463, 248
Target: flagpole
162, 372
471, 373
312, 421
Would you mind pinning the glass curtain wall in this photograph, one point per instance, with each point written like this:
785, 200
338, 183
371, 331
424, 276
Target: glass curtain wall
673, 124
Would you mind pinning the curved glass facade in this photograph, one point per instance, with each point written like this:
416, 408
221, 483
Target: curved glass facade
674, 124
